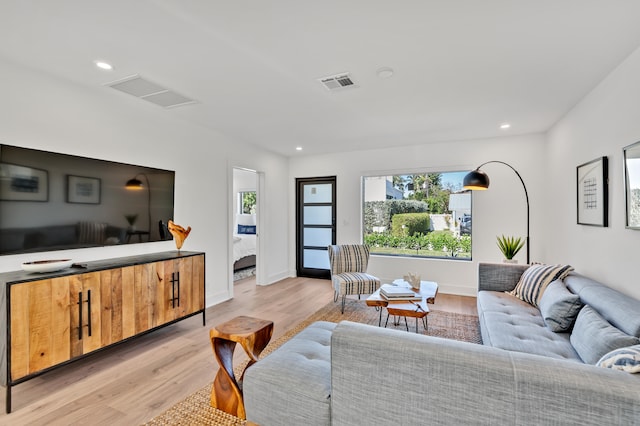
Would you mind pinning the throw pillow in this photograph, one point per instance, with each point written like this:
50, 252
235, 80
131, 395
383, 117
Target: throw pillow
559, 307
624, 359
246, 229
91, 232
535, 280
593, 336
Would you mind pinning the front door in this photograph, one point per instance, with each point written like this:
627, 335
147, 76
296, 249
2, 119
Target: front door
315, 225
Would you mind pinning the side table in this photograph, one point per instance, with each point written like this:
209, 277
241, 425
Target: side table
253, 335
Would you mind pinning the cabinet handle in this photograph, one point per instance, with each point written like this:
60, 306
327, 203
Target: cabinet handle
175, 280
178, 273
80, 316
173, 291
89, 311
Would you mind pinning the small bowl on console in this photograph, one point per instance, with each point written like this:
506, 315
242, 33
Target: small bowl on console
42, 266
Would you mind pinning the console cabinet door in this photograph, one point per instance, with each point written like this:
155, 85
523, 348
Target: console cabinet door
181, 289
53, 321
86, 318
40, 332
147, 278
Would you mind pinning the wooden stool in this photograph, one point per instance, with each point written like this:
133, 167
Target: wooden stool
253, 335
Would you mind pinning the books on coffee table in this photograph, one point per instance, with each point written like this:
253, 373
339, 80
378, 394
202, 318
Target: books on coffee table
394, 292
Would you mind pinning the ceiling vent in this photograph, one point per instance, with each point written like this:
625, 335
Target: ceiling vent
149, 91
338, 81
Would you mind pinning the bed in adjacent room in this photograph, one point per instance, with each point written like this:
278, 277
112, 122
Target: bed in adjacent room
244, 242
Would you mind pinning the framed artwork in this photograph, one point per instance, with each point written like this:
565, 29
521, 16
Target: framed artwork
593, 194
21, 183
631, 160
83, 190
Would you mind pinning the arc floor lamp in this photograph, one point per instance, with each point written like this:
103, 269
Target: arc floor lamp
137, 185
478, 180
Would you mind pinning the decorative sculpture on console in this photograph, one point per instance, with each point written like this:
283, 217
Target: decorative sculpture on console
179, 233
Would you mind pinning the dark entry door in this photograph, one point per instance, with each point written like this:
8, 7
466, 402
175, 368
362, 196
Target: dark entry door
315, 225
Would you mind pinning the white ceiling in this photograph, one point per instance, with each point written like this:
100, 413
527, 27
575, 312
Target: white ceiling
462, 67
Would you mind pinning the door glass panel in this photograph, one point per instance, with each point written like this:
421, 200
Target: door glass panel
316, 259
317, 193
317, 215
319, 237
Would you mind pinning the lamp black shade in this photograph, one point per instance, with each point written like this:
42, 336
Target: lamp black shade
134, 184
476, 180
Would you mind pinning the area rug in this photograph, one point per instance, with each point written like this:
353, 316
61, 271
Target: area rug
195, 409
244, 273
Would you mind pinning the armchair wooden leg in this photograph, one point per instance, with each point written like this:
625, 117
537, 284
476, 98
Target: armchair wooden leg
344, 298
335, 296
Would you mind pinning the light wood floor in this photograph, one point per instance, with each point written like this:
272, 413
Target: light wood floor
137, 380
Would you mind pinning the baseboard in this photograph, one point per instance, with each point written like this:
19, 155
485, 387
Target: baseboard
272, 279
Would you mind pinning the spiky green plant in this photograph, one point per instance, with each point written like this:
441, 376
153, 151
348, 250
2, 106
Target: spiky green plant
510, 246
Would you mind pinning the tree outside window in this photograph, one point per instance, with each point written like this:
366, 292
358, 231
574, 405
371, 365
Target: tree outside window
248, 202
419, 215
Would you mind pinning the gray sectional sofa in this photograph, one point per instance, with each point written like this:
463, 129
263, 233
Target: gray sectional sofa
524, 374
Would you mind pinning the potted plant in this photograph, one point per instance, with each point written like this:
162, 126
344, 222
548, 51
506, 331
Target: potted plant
131, 220
510, 246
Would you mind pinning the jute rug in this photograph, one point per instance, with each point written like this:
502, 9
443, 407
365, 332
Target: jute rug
196, 410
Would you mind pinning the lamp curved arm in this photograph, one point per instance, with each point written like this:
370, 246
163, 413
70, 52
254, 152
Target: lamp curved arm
526, 195
146, 178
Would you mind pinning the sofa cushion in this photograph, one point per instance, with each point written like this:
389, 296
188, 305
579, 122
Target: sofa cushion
559, 307
593, 336
507, 322
618, 309
623, 359
292, 385
535, 280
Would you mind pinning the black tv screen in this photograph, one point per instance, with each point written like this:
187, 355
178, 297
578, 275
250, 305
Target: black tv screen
51, 201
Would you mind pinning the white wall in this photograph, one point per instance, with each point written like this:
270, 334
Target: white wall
601, 125
501, 210
42, 112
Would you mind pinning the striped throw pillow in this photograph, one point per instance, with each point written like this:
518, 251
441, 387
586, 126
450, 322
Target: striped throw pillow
91, 232
535, 280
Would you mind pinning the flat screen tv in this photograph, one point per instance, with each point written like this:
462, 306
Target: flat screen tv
51, 201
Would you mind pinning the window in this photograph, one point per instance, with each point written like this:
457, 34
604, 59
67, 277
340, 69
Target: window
247, 201
418, 215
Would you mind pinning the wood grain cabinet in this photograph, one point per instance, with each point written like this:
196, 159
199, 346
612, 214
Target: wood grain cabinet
60, 317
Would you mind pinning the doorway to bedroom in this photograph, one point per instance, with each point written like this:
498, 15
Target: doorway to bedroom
245, 212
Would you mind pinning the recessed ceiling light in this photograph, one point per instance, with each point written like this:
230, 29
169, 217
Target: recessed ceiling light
505, 126
384, 72
298, 148
103, 65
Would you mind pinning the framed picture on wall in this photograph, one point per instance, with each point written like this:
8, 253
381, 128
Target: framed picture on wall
593, 195
631, 158
83, 190
21, 183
